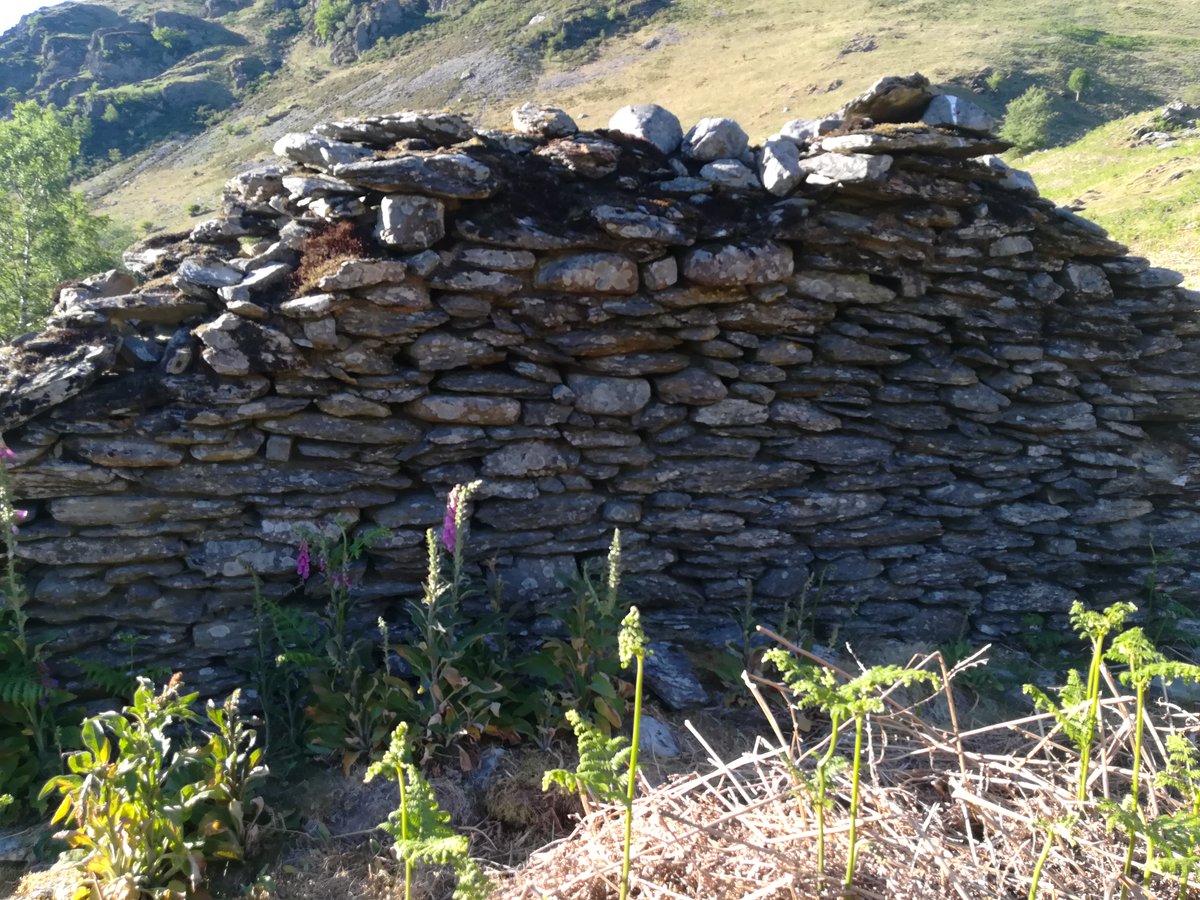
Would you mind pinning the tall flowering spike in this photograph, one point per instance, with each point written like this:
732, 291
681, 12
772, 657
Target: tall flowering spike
304, 561
614, 566
454, 523
631, 640
433, 579
450, 522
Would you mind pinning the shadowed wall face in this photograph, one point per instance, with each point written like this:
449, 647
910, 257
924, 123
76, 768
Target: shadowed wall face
863, 353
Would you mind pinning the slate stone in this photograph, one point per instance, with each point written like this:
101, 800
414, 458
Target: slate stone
207, 273
122, 452
651, 123
237, 346
410, 223
893, 98
587, 273
779, 167
542, 512
660, 274
319, 426
806, 131
803, 414
950, 111
603, 396
929, 141
715, 138
731, 175
670, 676
447, 175
462, 408
544, 121
530, 459
318, 152
732, 411
441, 129
845, 168
437, 351
715, 475
69, 551
586, 156
719, 265
635, 224
692, 386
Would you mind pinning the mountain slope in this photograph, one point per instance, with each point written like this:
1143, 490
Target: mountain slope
760, 61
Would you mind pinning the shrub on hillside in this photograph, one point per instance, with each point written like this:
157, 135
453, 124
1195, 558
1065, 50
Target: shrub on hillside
1027, 120
329, 17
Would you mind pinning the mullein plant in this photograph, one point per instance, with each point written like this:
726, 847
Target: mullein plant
1076, 710
420, 829
817, 687
607, 767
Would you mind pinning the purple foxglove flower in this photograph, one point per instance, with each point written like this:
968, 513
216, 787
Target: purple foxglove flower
449, 523
303, 562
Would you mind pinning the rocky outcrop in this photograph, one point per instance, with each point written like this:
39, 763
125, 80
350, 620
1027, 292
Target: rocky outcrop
864, 353
81, 56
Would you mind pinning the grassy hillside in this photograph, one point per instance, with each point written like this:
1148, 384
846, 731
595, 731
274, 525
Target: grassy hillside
1145, 196
761, 61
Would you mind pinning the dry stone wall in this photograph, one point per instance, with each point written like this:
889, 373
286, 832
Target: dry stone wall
865, 351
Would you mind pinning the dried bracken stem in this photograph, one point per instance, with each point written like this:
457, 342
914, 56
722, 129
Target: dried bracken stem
944, 813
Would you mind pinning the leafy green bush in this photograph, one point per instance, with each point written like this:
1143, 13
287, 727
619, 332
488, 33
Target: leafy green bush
329, 17
171, 38
1078, 81
1027, 120
148, 814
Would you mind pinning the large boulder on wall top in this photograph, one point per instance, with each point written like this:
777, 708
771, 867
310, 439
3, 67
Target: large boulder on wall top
894, 98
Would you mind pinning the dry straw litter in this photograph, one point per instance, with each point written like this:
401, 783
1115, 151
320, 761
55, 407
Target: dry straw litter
984, 813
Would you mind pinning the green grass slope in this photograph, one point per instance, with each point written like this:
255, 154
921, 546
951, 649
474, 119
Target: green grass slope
760, 61
1145, 196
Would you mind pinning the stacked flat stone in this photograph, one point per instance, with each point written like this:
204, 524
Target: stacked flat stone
865, 351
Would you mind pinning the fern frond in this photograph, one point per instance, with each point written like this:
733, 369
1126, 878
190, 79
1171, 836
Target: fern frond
21, 688
603, 764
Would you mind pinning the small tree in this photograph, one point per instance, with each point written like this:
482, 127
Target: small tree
47, 234
1027, 120
1078, 81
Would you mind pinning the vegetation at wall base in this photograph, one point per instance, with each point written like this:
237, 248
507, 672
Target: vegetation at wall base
215, 779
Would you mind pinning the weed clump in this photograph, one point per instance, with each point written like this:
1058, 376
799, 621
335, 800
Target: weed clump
322, 253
